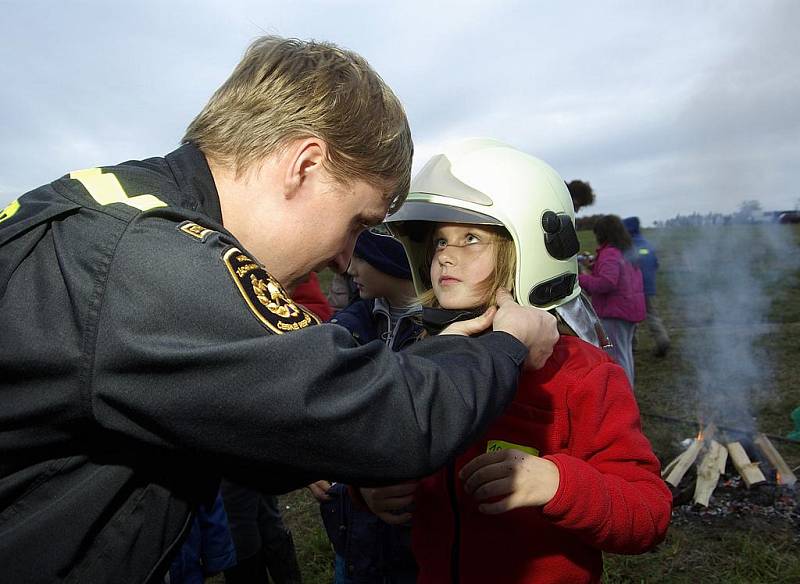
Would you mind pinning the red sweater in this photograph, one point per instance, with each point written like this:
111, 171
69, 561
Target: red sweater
309, 294
580, 413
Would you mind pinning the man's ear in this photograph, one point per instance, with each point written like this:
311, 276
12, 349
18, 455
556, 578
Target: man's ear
304, 163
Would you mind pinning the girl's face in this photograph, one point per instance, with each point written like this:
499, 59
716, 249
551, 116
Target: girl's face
463, 260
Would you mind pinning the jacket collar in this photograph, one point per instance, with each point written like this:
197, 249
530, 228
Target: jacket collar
194, 179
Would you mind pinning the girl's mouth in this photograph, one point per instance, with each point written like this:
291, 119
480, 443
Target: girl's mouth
446, 280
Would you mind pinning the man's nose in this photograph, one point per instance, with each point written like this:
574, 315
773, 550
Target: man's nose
342, 260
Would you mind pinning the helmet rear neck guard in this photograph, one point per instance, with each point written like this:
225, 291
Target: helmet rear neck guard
485, 182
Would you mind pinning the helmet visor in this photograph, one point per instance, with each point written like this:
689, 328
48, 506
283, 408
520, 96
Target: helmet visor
435, 213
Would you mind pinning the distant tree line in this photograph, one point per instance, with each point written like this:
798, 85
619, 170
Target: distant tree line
749, 212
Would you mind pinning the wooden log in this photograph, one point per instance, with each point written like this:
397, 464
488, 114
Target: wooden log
668, 468
684, 462
675, 470
708, 471
750, 472
785, 474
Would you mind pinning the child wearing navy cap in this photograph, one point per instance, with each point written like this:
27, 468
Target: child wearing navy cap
367, 549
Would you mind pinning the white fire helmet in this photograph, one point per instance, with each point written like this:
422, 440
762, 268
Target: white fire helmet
485, 182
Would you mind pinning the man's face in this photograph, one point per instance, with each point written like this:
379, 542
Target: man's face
293, 216
335, 217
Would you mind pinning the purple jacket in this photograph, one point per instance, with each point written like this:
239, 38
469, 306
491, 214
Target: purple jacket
615, 286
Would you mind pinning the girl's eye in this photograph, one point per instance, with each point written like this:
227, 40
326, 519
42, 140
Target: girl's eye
439, 243
470, 239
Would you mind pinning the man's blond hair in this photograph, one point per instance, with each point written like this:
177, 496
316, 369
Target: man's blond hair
287, 89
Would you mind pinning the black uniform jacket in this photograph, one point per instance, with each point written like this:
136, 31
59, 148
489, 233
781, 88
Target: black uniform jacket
142, 356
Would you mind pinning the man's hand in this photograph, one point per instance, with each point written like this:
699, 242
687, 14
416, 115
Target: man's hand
534, 327
320, 490
522, 480
472, 326
390, 504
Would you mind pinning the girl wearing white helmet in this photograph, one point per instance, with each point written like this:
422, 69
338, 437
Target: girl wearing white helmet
565, 473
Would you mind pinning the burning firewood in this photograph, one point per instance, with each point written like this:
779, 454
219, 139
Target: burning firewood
750, 472
675, 470
785, 475
708, 471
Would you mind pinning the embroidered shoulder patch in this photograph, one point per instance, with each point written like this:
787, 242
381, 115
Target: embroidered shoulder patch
495, 445
264, 295
194, 230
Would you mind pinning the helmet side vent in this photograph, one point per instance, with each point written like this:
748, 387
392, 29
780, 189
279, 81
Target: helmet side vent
560, 238
552, 290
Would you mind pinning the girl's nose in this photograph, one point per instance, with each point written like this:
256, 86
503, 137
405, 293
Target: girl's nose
445, 257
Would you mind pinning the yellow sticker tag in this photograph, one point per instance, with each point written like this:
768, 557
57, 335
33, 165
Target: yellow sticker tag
495, 445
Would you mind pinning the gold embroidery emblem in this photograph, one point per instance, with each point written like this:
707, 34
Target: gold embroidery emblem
265, 296
271, 296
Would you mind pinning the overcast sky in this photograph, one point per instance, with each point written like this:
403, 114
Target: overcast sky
665, 107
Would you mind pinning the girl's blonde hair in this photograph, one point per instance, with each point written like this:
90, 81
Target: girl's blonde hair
505, 265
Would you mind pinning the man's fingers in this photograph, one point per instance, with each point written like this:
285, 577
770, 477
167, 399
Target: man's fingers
472, 326
503, 297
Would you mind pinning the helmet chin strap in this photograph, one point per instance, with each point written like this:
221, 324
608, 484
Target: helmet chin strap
579, 315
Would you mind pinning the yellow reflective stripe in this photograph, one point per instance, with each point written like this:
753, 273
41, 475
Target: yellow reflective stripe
644, 251
9, 211
105, 189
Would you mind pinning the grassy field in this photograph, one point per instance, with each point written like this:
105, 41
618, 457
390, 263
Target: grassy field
737, 549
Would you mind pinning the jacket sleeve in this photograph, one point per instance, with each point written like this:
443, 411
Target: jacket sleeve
610, 494
606, 273
182, 364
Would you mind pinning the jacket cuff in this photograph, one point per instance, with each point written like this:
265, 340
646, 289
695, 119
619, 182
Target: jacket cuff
502, 342
577, 496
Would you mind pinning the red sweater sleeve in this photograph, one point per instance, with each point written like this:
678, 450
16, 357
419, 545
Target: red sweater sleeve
610, 493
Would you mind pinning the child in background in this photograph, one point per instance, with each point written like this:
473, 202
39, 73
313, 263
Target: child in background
208, 549
615, 284
565, 473
368, 550
648, 264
